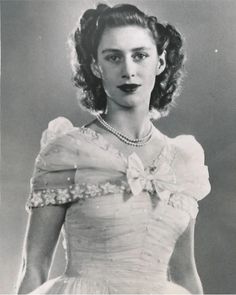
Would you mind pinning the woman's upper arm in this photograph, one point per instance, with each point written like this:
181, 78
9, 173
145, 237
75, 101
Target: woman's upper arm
42, 234
182, 262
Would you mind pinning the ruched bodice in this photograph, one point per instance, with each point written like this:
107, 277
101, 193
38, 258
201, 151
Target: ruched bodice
123, 218
128, 239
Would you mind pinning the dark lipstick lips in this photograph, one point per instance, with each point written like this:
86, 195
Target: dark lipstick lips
128, 87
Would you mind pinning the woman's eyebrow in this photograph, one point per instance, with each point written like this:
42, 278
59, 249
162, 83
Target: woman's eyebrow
119, 50
141, 48
110, 50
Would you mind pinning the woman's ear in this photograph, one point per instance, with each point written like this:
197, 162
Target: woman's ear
162, 63
95, 69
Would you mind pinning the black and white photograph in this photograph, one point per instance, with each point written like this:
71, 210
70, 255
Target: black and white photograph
118, 147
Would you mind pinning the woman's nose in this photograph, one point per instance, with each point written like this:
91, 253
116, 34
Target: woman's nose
128, 69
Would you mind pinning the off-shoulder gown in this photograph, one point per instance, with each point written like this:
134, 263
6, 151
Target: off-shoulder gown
123, 219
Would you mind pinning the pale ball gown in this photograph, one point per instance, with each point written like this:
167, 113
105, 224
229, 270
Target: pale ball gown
123, 219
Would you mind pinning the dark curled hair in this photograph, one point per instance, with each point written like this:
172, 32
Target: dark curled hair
84, 42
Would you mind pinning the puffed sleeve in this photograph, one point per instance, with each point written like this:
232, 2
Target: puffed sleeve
54, 170
192, 178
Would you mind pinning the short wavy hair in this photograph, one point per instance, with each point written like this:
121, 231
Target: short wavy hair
84, 42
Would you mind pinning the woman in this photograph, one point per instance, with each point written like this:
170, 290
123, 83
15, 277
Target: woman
125, 194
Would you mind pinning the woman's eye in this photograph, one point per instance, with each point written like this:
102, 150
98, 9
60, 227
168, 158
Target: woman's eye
140, 56
113, 58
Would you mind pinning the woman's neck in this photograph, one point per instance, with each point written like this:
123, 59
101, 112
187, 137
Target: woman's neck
134, 123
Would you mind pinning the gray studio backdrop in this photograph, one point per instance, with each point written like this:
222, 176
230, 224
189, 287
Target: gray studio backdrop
36, 87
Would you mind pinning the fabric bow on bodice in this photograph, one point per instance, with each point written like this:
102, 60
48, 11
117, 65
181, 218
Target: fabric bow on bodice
159, 177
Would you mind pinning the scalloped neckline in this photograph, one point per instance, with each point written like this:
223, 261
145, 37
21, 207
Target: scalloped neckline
105, 144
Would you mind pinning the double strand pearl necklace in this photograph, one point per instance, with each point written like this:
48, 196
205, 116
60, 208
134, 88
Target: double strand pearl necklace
134, 142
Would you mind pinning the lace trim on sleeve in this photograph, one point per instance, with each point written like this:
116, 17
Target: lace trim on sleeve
59, 196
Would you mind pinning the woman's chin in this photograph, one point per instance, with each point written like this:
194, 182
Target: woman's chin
129, 101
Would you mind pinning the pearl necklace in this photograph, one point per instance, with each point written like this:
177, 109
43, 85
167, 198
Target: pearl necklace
134, 142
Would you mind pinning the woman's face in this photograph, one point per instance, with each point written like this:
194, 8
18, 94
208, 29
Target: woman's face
127, 62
